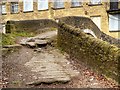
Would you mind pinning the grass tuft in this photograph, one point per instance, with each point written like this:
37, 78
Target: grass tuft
10, 38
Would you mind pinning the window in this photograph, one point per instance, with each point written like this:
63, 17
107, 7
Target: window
96, 20
14, 7
95, 1
113, 4
75, 3
42, 4
114, 22
28, 5
3, 9
58, 3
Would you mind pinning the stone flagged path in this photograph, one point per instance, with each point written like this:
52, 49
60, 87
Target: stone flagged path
51, 67
48, 35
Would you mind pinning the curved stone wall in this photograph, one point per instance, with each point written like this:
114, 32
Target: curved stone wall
82, 23
86, 23
101, 56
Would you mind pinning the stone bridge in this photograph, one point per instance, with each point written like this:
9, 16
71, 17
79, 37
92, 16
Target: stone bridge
95, 51
85, 24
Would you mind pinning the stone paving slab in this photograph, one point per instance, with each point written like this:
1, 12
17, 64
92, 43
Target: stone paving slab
51, 67
40, 39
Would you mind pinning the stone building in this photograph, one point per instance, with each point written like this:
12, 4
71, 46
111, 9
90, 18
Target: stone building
104, 13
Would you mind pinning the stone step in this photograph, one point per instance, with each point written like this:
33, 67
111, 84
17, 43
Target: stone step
49, 80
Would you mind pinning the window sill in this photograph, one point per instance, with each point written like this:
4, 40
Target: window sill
115, 31
90, 4
4, 13
76, 6
27, 11
14, 13
115, 11
58, 8
44, 10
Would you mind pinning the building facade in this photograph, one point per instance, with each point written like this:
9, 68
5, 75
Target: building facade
106, 15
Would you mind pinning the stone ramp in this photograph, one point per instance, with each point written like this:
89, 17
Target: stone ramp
50, 67
41, 39
48, 34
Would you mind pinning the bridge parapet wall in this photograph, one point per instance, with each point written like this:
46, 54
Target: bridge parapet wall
41, 25
101, 56
30, 25
86, 23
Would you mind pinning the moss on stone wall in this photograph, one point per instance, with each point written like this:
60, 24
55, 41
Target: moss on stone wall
100, 55
87, 23
82, 23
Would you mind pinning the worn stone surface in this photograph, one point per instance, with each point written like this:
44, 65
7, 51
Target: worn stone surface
16, 74
31, 44
41, 39
30, 66
41, 42
46, 35
51, 68
23, 41
12, 46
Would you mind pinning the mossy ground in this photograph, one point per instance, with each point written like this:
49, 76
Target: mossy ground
10, 38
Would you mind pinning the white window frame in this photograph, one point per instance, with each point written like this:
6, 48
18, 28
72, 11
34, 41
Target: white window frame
4, 9
27, 5
58, 3
76, 3
42, 4
95, 2
114, 22
14, 7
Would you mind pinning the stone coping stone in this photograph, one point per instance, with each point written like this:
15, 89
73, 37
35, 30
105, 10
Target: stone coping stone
12, 46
